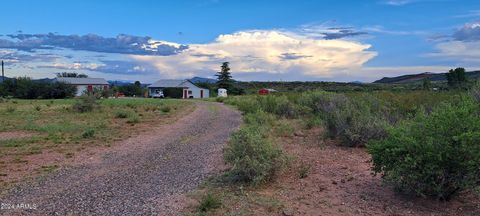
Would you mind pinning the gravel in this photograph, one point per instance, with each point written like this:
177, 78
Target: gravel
143, 175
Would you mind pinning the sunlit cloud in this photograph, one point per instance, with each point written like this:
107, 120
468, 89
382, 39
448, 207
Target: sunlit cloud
272, 52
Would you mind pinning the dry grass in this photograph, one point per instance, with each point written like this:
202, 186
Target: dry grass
56, 129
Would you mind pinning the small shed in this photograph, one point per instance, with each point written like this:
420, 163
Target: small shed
84, 84
222, 92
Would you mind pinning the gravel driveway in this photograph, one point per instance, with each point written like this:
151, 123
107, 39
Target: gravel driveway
143, 175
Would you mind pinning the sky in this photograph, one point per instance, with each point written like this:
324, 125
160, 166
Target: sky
301, 40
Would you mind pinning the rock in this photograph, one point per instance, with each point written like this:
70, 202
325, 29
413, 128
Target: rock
287, 211
334, 182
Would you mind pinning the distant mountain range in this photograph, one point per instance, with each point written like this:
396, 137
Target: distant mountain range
412, 78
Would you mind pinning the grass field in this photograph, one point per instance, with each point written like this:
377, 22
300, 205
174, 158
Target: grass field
36, 127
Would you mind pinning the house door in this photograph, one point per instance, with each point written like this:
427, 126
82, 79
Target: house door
90, 88
201, 93
185, 93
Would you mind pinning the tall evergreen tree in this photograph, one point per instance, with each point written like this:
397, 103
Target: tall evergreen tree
457, 77
224, 77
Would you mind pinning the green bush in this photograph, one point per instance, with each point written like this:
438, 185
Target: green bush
133, 119
354, 120
121, 114
432, 155
86, 103
88, 133
209, 202
165, 109
253, 157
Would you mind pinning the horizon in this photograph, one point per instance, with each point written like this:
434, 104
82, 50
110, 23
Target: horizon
263, 41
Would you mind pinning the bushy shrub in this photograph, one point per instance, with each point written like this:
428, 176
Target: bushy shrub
354, 120
121, 114
133, 119
165, 109
88, 133
254, 158
86, 103
433, 155
209, 202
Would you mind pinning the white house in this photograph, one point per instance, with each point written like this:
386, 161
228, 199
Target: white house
84, 84
188, 89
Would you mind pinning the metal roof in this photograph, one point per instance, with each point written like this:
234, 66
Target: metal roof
167, 84
82, 81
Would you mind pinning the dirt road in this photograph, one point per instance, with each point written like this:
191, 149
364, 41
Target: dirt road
143, 175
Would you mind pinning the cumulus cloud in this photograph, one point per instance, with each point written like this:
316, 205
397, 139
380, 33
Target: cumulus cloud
469, 32
462, 46
124, 44
261, 51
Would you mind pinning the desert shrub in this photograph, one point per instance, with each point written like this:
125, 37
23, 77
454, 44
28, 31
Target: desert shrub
26, 88
121, 114
304, 170
133, 118
432, 155
209, 202
220, 99
354, 120
244, 104
260, 119
283, 128
88, 133
253, 157
38, 108
86, 103
165, 109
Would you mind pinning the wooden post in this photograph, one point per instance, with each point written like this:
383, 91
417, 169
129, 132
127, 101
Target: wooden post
3, 73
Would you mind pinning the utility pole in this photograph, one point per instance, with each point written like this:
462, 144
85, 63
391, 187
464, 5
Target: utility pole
3, 73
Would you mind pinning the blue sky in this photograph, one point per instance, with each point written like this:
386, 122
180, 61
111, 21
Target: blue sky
263, 40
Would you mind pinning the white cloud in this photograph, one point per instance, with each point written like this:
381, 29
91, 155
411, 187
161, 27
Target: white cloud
266, 52
458, 50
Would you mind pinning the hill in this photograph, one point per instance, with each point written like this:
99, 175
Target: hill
203, 80
412, 78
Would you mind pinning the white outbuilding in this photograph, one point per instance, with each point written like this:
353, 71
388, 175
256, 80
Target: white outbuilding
188, 89
222, 92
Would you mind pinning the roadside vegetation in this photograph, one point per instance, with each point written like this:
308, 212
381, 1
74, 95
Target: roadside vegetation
423, 143
64, 128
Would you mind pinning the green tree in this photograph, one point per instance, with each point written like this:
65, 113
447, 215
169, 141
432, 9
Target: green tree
456, 78
71, 74
224, 77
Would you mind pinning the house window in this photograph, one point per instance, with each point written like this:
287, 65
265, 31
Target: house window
189, 91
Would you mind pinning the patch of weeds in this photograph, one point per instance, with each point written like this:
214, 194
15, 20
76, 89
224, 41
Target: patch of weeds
304, 170
86, 103
283, 129
88, 133
121, 114
209, 202
10, 109
133, 119
38, 108
165, 109
14, 102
